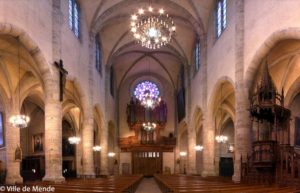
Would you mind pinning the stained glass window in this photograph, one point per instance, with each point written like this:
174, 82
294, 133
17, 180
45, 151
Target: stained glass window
98, 56
197, 56
74, 17
221, 16
139, 91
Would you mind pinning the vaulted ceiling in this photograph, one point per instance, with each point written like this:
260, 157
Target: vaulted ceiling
110, 19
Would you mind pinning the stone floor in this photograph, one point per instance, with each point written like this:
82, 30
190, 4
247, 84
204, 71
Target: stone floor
148, 185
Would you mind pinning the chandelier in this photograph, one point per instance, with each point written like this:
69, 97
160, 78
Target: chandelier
19, 120
221, 138
149, 100
74, 140
152, 28
198, 147
149, 126
97, 148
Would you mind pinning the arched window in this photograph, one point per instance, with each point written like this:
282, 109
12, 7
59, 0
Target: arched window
197, 56
74, 16
221, 16
98, 56
139, 90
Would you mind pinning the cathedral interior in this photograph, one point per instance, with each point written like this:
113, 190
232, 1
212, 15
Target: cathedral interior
150, 96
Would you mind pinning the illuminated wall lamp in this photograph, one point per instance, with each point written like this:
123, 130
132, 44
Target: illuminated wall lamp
111, 154
183, 153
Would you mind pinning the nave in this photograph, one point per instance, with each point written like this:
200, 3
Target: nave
157, 184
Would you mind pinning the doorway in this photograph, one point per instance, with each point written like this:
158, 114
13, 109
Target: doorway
147, 163
226, 166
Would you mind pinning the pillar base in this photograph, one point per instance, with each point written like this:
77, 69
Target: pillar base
236, 178
54, 179
14, 180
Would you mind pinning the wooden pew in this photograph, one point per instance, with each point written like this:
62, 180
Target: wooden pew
197, 184
118, 184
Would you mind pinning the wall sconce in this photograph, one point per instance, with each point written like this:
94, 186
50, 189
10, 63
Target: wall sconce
231, 148
111, 154
183, 153
198, 148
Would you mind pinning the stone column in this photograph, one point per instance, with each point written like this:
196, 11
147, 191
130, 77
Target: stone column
209, 146
242, 133
12, 137
87, 144
53, 130
177, 158
104, 150
79, 160
191, 151
242, 120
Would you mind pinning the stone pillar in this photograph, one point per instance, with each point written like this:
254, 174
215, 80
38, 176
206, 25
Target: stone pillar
242, 119
191, 151
79, 160
242, 133
104, 150
87, 144
209, 146
53, 130
12, 137
177, 158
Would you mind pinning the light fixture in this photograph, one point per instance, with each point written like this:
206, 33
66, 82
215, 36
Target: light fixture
111, 154
231, 148
149, 100
97, 148
198, 148
19, 120
149, 126
183, 153
152, 28
74, 140
221, 138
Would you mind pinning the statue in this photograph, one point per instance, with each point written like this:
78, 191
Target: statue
62, 78
18, 154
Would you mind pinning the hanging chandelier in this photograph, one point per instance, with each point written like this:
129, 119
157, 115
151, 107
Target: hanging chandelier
74, 140
152, 28
221, 138
149, 126
19, 120
198, 148
97, 148
149, 100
